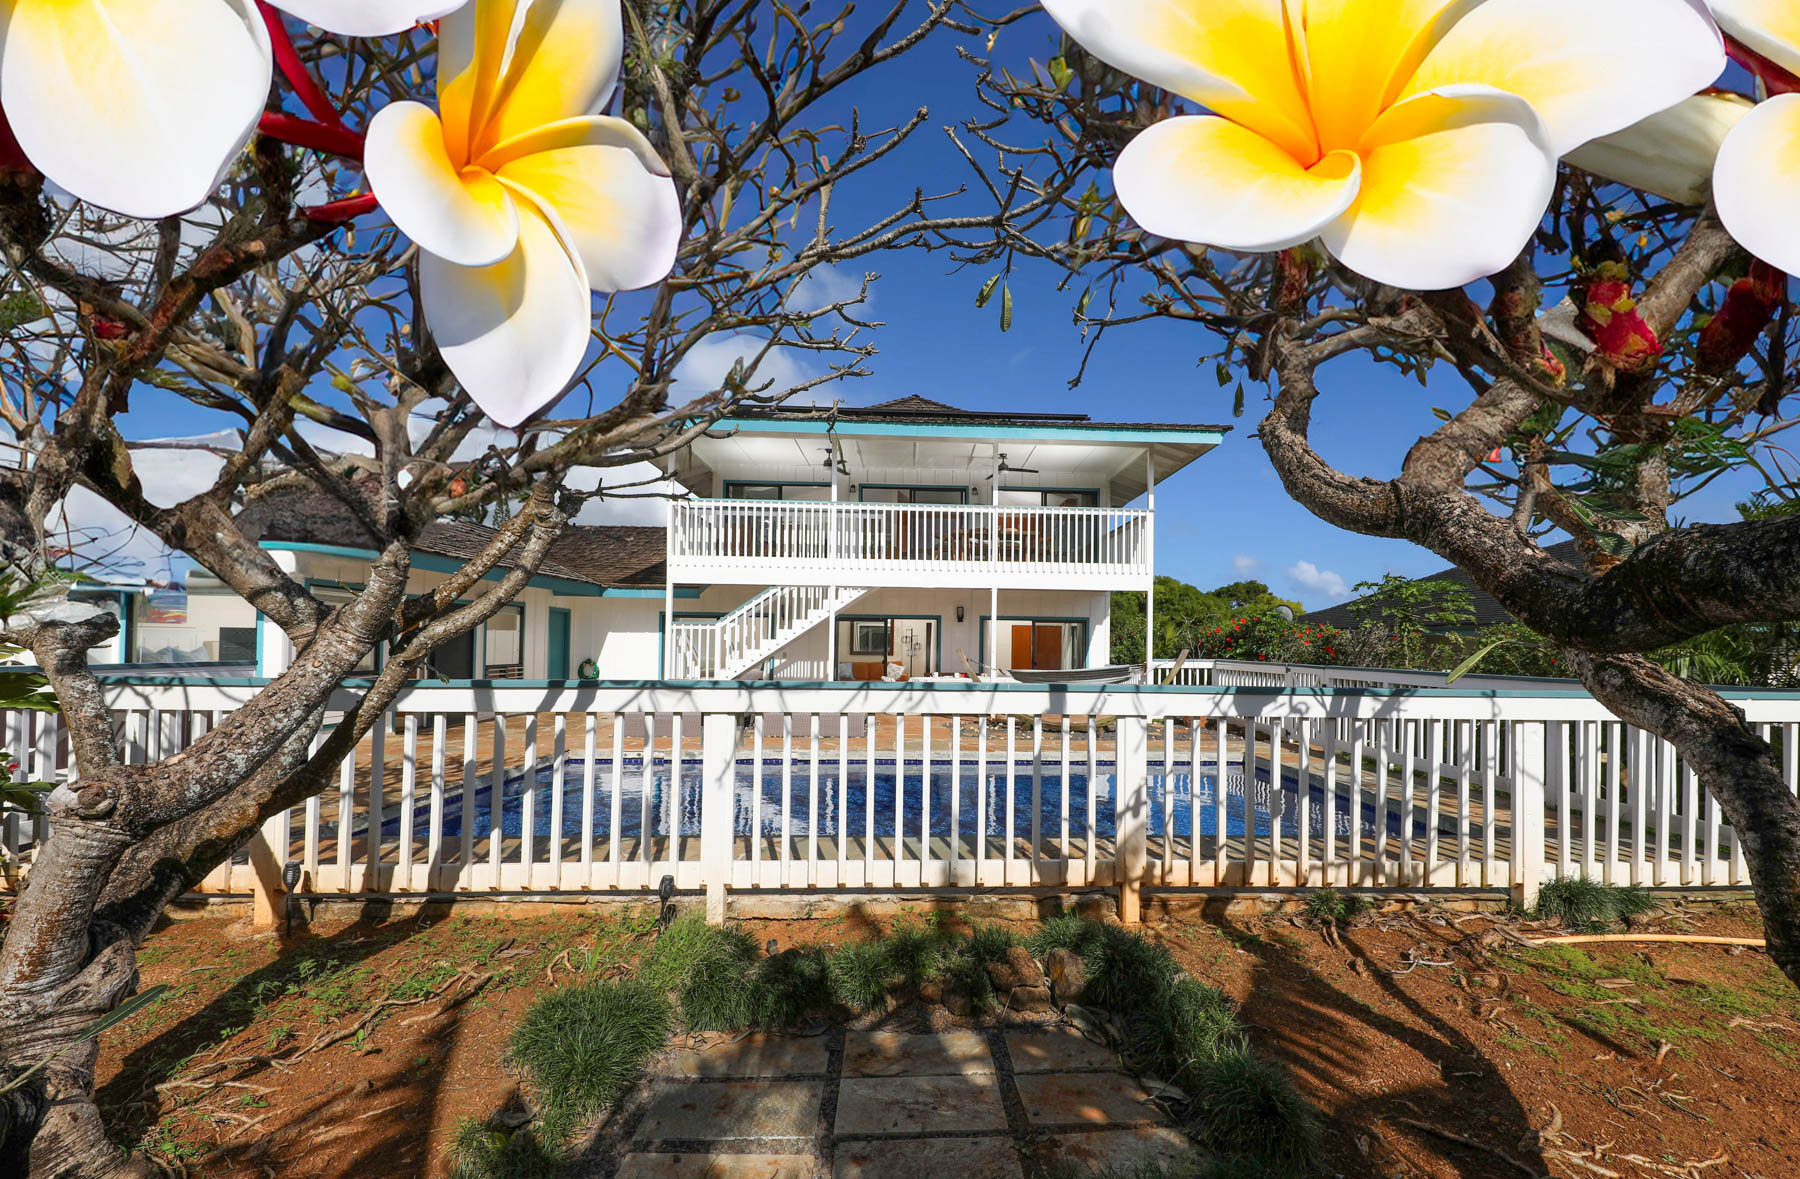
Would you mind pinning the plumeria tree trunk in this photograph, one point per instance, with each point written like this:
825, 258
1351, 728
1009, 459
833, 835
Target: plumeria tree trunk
306, 330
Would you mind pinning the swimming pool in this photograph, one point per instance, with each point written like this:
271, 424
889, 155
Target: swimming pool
676, 806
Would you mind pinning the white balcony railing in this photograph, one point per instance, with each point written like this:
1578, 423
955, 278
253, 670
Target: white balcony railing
759, 542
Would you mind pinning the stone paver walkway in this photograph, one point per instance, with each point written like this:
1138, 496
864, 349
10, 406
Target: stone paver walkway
892, 1105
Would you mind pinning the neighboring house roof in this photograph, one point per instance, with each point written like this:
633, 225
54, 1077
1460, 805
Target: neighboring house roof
918, 410
608, 555
1488, 610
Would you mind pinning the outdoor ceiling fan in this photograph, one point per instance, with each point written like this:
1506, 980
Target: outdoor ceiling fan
1007, 468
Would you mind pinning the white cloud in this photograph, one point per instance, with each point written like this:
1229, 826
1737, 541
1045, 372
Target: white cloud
1315, 582
1245, 564
705, 368
169, 475
824, 285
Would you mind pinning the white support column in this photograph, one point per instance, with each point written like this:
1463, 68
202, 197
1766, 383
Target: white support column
1150, 561
993, 644
274, 650
831, 536
1131, 814
668, 635
718, 794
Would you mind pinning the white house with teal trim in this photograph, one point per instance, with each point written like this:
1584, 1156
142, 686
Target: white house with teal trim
859, 544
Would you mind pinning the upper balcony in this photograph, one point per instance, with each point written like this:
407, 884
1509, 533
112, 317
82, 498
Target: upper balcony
762, 542
915, 493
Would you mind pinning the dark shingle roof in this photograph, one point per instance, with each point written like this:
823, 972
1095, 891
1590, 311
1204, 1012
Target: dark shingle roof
1488, 610
607, 555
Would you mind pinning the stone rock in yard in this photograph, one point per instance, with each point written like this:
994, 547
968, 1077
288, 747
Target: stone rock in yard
931, 992
1019, 969
1096, 906
957, 1002
1030, 1000
1066, 973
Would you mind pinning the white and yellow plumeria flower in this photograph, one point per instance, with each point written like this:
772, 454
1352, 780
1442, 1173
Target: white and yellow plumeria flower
1758, 168
140, 105
1671, 153
520, 198
1418, 139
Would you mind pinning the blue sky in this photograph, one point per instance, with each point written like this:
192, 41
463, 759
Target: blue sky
1224, 518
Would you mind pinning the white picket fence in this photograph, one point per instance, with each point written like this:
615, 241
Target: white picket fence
517, 787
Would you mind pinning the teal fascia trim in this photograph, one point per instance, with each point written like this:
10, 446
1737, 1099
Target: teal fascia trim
1028, 433
562, 587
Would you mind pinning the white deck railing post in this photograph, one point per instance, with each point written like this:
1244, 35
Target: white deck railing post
268, 852
1531, 748
1131, 813
718, 801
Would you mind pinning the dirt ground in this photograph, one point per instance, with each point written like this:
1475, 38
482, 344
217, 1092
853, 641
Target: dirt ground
1434, 1045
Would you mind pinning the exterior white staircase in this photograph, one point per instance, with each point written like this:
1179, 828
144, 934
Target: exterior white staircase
728, 647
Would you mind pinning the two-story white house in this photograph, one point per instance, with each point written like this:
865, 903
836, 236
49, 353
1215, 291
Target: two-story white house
903, 540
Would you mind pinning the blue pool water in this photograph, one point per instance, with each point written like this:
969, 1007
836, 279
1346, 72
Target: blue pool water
676, 807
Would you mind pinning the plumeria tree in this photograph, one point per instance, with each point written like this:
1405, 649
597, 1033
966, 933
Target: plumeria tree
1539, 210
370, 249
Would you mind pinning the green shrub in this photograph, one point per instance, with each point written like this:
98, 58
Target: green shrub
1586, 905
682, 946
916, 951
1249, 1107
1125, 972
964, 964
791, 987
1328, 904
990, 943
479, 1150
1192, 1025
861, 974
582, 1046
1065, 931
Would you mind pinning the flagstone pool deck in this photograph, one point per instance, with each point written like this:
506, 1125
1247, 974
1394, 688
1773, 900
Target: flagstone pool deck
850, 1104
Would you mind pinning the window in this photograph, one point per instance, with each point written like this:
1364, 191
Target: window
914, 495
809, 491
869, 638
873, 648
1033, 497
504, 644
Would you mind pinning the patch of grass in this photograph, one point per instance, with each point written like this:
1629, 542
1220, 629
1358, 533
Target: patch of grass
1251, 1109
479, 1150
1065, 931
1192, 1026
583, 1045
1328, 904
861, 974
1589, 906
791, 987
1125, 972
965, 965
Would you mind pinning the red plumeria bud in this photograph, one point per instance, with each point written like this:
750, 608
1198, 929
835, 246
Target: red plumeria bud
108, 328
1775, 78
1550, 366
1749, 306
1609, 317
12, 156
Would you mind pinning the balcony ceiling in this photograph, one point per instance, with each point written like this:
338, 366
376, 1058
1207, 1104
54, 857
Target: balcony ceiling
1117, 466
